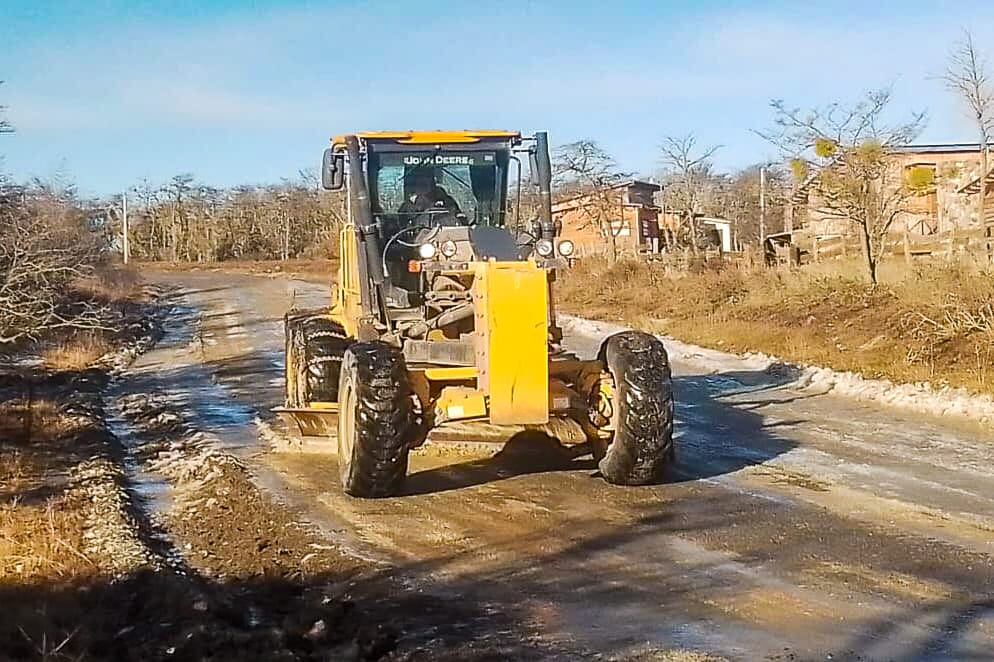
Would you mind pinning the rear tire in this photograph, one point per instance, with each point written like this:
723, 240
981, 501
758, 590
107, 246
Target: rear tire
642, 418
326, 343
376, 420
314, 349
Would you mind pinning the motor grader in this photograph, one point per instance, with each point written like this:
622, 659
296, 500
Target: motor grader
442, 316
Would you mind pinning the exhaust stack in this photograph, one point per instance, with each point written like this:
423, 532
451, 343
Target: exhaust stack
543, 165
361, 212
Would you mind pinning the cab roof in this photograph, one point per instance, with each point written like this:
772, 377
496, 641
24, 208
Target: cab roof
430, 137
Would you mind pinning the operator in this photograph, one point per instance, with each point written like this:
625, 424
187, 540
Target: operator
426, 195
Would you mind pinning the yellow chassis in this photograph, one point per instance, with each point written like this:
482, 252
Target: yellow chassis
514, 381
448, 397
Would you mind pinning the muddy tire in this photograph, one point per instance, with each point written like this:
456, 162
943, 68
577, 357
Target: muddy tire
314, 351
642, 418
375, 421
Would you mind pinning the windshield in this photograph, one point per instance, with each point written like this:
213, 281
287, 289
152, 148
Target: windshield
464, 186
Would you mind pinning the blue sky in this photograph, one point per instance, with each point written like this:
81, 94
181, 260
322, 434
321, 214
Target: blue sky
249, 92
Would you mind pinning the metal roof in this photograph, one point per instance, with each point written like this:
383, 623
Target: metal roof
938, 148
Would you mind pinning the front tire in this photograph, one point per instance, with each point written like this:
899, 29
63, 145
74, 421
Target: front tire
375, 420
642, 416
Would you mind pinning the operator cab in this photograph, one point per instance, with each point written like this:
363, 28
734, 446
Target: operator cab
445, 202
428, 205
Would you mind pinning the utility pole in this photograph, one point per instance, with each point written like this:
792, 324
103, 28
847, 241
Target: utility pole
762, 205
988, 226
124, 223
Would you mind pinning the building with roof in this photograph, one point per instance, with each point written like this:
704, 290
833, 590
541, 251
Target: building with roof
949, 204
625, 214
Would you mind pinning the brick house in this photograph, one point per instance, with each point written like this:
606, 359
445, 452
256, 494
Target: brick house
634, 224
951, 204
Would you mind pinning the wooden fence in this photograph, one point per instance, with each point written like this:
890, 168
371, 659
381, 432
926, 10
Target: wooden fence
975, 242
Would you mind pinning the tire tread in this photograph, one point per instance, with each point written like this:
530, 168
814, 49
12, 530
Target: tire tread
643, 438
384, 419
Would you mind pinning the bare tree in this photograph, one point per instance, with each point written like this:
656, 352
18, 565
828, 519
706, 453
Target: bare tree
842, 154
582, 168
738, 199
967, 77
48, 245
688, 172
186, 220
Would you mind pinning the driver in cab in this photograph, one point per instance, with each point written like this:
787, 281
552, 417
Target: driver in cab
426, 196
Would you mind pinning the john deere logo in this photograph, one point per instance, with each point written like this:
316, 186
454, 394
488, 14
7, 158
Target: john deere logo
437, 159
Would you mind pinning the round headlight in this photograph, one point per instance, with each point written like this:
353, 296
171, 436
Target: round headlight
427, 251
544, 247
565, 247
448, 248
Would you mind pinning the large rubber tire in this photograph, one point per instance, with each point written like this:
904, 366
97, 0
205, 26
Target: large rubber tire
376, 420
314, 350
325, 345
642, 418
294, 360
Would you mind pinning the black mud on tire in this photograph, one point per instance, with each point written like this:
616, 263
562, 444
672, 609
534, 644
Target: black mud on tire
315, 346
643, 409
376, 420
324, 346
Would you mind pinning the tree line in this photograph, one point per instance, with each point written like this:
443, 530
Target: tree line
191, 222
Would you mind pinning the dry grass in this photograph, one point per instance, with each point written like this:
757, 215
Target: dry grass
934, 322
113, 284
41, 541
675, 655
318, 269
41, 421
76, 353
41, 530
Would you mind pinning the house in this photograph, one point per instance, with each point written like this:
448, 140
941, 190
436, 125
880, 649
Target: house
720, 229
625, 213
717, 232
950, 204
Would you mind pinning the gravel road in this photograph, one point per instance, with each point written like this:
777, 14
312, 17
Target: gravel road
794, 525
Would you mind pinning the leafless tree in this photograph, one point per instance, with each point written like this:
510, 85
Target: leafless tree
688, 173
842, 155
967, 77
48, 245
738, 199
583, 168
188, 221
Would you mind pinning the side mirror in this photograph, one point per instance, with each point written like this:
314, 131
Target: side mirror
333, 170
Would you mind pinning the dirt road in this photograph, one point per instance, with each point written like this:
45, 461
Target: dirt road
794, 526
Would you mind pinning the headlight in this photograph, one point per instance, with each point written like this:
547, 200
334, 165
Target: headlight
427, 251
448, 248
566, 247
544, 247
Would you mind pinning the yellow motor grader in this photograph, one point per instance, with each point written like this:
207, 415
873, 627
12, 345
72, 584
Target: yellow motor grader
442, 314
